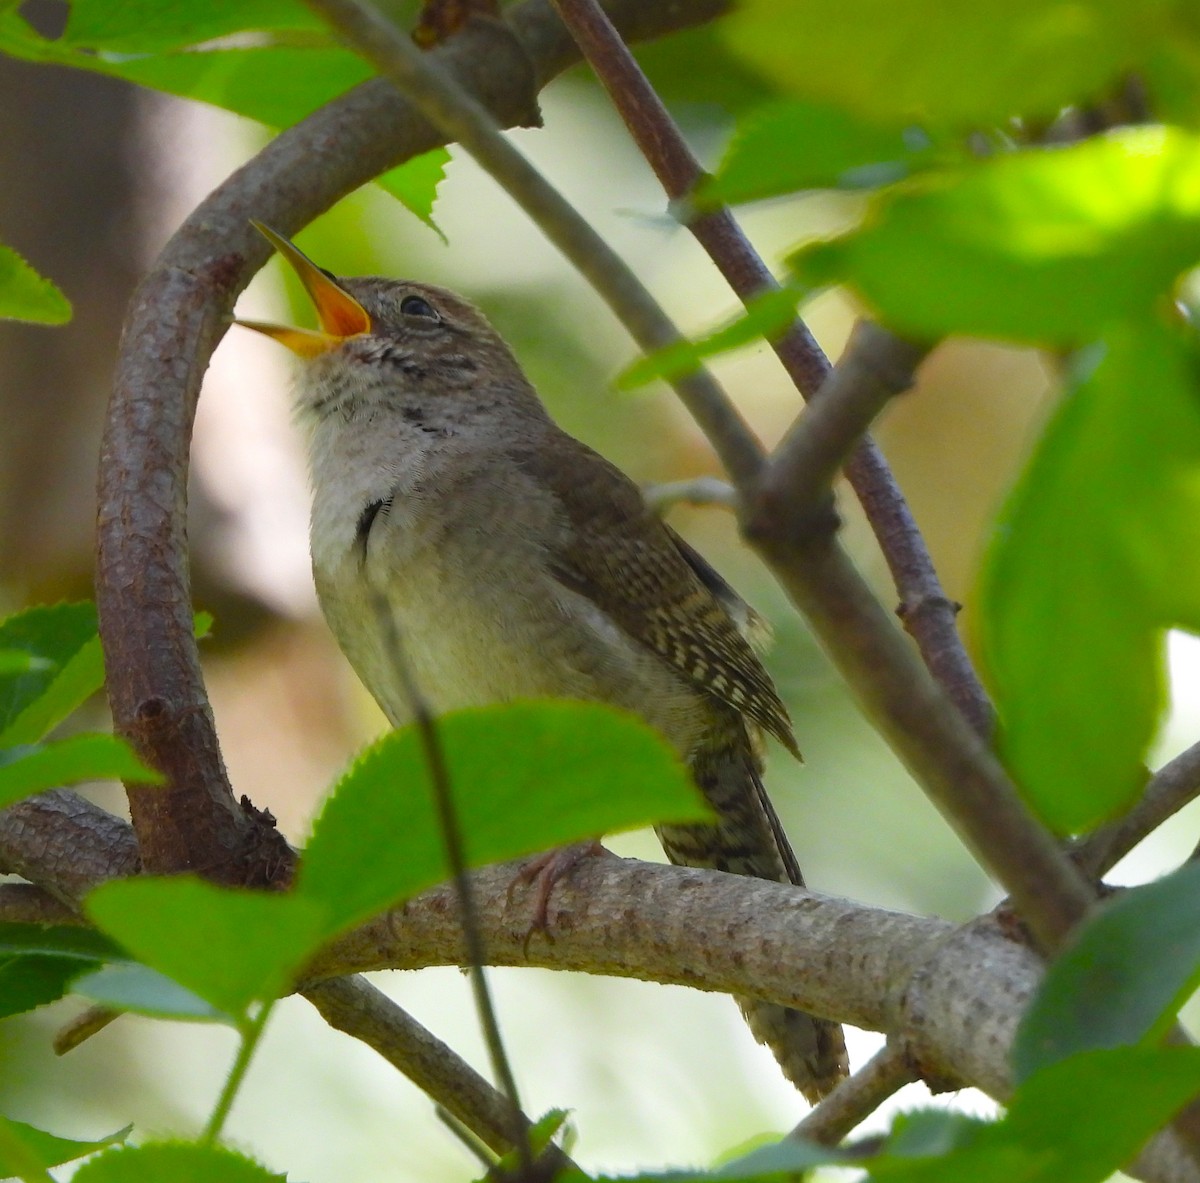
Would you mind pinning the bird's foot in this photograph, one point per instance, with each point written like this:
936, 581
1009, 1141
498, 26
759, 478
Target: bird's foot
543, 873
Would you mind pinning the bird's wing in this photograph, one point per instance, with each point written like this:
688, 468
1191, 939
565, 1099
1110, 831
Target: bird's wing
620, 556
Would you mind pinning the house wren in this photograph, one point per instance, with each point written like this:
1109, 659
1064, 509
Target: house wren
519, 563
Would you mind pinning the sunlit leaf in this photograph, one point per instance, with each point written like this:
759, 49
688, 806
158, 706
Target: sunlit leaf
415, 184
953, 64
68, 670
230, 947
525, 777
26, 295
155, 26
33, 769
1049, 245
1096, 556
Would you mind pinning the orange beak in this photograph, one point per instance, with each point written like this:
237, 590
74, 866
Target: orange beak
341, 315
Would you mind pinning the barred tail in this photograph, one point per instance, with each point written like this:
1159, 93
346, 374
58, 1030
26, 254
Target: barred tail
748, 840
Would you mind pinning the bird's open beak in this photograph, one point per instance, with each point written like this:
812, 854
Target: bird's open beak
341, 315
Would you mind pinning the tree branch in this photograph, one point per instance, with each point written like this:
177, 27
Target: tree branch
950, 996
857, 1097
354, 1006
926, 610
1174, 785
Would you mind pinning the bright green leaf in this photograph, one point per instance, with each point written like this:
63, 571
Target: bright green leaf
1096, 556
154, 26
70, 668
415, 184
14, 661
174, 1162
138, 988
230, 947
33, 769
1121, 978
953, 64
525, 777
1048, 245
276, 86
797, 145
26, 295
766, 316
48, 1150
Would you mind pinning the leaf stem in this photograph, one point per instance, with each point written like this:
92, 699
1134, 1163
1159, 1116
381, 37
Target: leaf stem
250, 1033
448, 823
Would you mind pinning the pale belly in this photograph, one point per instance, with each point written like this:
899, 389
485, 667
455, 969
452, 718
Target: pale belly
486, 634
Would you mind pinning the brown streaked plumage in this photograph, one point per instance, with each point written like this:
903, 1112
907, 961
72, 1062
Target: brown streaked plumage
520, 563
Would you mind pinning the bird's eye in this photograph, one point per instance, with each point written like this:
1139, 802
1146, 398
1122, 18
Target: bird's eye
416, 306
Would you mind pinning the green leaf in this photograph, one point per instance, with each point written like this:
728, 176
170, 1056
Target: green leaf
1122, 977
1047, 245
1097, 554
1088, 1116
14, 661
174, 1162
48, 1150
525, 776
276, 86
959, 64
230, 947
60, 940
39, 962
766, 316
30, 982
415, 184
790, 146
33, 769
69, 669
26, 295
695, 68
153, 26
138, 988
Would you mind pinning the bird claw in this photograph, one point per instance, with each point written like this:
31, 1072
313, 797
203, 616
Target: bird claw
544, 871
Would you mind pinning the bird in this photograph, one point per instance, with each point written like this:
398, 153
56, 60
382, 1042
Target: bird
519, 563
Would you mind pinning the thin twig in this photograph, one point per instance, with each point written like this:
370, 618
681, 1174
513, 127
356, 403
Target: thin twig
857, 1097
451, 832
465, 121
928, 614
704, 490
875, 367
354, 1006
1174, 785
82, 1027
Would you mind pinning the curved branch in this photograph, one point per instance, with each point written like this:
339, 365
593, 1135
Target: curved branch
175, 321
